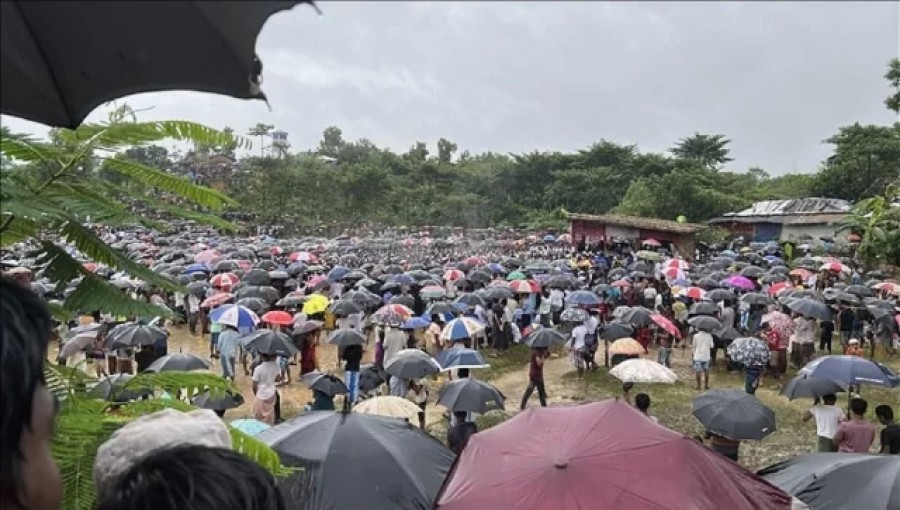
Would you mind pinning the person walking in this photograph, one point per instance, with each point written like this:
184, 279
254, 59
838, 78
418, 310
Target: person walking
828, 417
536, 377
352, 355
890, 434
266, 375
228, 342
855, 435
702, 354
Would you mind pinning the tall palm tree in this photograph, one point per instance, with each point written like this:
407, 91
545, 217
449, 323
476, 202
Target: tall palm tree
708, 150
49, 191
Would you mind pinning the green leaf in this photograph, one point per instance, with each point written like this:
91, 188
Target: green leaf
94, 293
180, 186
259, 452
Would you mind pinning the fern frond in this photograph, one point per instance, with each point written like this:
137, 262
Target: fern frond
63, 381
94, 293
187, 214
17, 230
94, 247
23, 149
258, 452
121, 134
82, 201
180, 186
173, 383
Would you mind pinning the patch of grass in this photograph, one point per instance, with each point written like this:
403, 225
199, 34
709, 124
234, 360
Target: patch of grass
671, 404
515, 358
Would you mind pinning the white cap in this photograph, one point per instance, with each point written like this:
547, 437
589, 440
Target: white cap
158, 430
854, 341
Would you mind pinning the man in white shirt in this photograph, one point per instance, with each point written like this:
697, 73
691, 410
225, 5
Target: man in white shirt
578, 349
702, 346
193, 309
828, 417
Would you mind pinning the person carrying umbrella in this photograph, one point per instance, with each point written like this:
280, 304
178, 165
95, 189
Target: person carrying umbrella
828, 417
701, 345
352, 355
459, 434
267, 404
536, 376
228, 342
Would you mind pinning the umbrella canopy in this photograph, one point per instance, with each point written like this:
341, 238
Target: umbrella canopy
178, 362
643, 371
278, 317
112, 388
412, 364
54, 77
705, 323
326, 383
811, 308
218, 401
808, 386
345, 337
664, 322
236, 316
470, 395
833, 481
733, 414
557, 458
749, 351
390, 406
133, 334
638, 316
739, 282
267, 341
370, 377
345, 307
355, 460
462, 327
545, 337
616, 330
573, 315
846, 370
461, 358
627, 346
583, 298
317, 303
250, 427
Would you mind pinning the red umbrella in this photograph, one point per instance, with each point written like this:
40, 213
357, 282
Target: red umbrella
453, 275
475, 261
224, 280
603, 455
278, 317
217, 300
621, 283
775, 288
651, 242
666, 324
207, 256
693, 292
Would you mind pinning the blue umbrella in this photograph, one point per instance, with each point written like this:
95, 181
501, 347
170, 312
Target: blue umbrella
461, 358
196, 268
338, 272
416, 323
234, 315
402, 279
549, 238
854, 370
250, 427
496, 268
462, 328
583, 298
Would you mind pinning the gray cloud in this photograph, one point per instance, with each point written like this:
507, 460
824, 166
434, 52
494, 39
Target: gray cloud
777, 78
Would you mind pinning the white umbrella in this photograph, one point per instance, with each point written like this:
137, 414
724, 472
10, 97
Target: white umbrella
643, 371
390, 406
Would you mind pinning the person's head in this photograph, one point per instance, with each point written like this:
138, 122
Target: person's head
193, 476
437, 319
642, 402
884, 413
858, 406
267, 357
29, 478
829, 399
460, 416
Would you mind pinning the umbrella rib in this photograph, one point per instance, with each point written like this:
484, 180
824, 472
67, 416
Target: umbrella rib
43, 55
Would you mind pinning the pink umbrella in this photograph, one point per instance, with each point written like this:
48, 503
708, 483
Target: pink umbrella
315, 280
207, 256
740, 282
651, 242
224, 280
674, 273
217, 300
453, 275
693, 292
677, 263
666, 324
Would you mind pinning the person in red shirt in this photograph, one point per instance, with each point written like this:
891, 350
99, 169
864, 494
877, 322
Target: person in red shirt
777, 349
536, 377
855, 435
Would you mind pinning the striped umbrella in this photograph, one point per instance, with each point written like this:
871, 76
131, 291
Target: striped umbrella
522, 287
677, 264
693, 292
224, 280
451, 275
674, 273
234, 315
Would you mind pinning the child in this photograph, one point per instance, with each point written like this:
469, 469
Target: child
854, 349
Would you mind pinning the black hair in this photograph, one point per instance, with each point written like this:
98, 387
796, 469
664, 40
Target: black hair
460, 415
884, 411
642, 401
858, 406
24, 333
831, 398
195, 477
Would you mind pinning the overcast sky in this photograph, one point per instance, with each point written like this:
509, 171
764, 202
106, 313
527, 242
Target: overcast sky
775, 77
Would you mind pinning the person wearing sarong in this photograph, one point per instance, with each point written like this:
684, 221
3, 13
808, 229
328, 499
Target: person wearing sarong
265, 377
308, 351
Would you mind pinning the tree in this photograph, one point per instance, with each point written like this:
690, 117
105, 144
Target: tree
866, 160
709, 150
262, 131
332, 142
446, 149
893, 77
877, 221
47, 198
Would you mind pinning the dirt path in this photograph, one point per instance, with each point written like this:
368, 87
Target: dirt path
513, 384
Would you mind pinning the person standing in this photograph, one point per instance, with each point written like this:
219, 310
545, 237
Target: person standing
228, 342
352, 355
536, 377
578, 349
266, 406
828, 417
433, 336
846, 320
890, 434
701, 355
855, 435
192, 305
459, 434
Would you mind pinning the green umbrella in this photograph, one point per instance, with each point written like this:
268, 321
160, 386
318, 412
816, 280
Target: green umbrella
516, 275
648, 255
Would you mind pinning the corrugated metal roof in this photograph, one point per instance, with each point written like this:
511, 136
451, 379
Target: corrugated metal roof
639, 222
793, 207
796, 219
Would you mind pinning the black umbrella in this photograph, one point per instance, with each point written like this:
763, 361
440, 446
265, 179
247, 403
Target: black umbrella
833, 481
470, 395
721, 295
198, 288
703, 308
345, 307
412, 364
370, 377
403, 299
257, 305
859, 290
440, 308
355, 460
267, 341
616, 330
326, 383
133, 334
178, 362
345, 337
638, 316
218, 401
808, 386
112, 388
257, 277
706, 323
544, 337
811, 308
756, 298
734, 414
